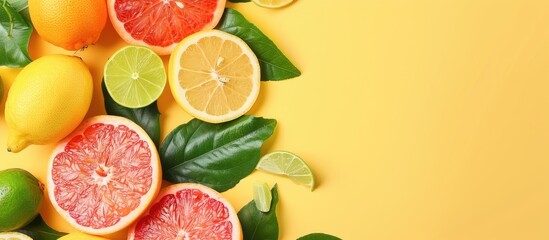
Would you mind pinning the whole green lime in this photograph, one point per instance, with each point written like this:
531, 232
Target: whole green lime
20, 198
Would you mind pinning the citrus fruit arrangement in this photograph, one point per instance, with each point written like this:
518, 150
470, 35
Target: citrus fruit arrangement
105, 173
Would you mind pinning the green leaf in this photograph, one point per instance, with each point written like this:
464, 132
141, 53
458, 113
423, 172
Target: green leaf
318, 236
239, 1
22, 7
39, 230
147, 117
274, 65
14, 37
216, 155
257, 225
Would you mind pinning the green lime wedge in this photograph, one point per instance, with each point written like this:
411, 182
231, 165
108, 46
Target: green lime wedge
262, 196
135, 76
288, 164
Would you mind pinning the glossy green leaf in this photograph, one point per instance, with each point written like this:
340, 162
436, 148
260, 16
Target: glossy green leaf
257, 225
216, 155
39, 230
273, 63
22, 7
15, 34
318, 236
147, 117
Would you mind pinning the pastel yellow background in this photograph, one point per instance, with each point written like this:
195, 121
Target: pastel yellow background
423, 119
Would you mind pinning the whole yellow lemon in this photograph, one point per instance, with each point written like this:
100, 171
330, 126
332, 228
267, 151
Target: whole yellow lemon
47, 101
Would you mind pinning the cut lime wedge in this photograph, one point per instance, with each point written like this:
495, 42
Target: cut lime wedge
262, 196
288, 164
135, 76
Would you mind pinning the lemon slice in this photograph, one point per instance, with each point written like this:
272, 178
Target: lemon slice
14, 236
272, 3
135, 76
214, 76
288, 164
262, 196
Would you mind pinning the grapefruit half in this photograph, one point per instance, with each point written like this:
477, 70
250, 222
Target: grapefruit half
187, 211
162, 24
104, 175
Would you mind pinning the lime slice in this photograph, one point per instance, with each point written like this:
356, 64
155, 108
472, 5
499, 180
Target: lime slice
14, 236
289, 164
262, 196
272, 3
135, 76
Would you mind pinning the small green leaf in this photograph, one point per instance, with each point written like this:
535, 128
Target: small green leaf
39, 230
216, 155
15, 34
318, 236
274, 65
147, 117
257, 225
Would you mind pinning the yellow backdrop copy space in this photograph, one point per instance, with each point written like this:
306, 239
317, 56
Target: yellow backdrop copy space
421, 119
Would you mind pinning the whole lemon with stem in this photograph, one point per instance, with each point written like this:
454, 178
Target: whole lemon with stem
47, 101
70, 24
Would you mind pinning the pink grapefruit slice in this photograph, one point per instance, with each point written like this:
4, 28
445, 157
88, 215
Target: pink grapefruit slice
104, 175
187, 211
162, 24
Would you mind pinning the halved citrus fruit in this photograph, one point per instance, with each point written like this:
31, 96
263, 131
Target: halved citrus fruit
135, 76
272, 3
104, 175
187, 211
162, 24
214, 76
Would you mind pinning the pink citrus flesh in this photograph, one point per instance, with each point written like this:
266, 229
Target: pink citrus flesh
104, 175
162, 24
187, 211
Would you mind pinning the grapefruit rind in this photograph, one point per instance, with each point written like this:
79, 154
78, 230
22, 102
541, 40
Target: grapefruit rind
173, 189
145, 200
123, 33
179, 93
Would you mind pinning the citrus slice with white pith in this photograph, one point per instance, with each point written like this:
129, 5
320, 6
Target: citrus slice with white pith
214, 76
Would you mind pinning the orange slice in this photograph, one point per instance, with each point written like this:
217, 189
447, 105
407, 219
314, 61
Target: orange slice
214, 76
